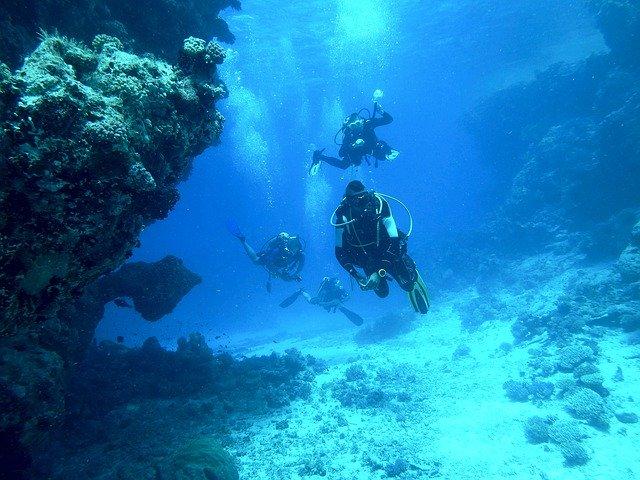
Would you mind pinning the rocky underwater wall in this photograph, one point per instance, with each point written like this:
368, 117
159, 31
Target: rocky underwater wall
564, 149
563, 154
95, 135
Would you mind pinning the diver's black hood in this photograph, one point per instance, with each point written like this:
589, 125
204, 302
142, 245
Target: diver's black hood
354, 188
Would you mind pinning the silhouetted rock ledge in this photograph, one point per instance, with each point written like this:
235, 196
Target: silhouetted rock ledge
35, 363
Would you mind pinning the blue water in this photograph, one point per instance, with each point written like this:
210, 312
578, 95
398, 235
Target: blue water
294, 72
518, 127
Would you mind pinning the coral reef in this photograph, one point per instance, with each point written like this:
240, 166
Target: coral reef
155, 288
619, 22
536, 430
203, 458
31, 400
566, 434
164, 24
585, 404
170, 410
574, 355
364, 389
572, 131
124, 375
523, 391
628, 264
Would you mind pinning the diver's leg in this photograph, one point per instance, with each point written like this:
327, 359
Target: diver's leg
342, 163
251, 253
403, 270
382, 290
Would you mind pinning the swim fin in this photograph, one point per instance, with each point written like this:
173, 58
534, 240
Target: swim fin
316, 162
392, 155
287, 302
419, 296
354, 317
234, 229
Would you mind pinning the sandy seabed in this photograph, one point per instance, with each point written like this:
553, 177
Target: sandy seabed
446, 415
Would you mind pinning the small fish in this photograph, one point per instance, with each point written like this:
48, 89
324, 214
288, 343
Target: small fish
120, 339
122, 303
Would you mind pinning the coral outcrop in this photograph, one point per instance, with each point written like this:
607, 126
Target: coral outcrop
202, 458
619, 22
155, 289
567, 435
564, 147
123, 375
551, 152
94, 142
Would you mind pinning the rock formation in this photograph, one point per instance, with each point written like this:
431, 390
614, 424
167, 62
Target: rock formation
95, 135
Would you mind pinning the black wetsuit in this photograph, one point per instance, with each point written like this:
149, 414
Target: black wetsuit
283, 258
330, 295
366, 244
351, 154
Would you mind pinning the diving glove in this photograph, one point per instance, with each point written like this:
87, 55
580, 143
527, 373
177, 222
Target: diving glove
373, 281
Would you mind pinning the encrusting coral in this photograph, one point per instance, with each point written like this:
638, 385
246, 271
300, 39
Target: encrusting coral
22, 20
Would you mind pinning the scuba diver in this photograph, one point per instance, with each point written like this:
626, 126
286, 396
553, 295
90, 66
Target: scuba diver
367, 238
359, 140
282, 256
330, 296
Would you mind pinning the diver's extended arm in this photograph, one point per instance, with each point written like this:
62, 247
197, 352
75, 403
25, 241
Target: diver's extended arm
395, 245
384, 119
